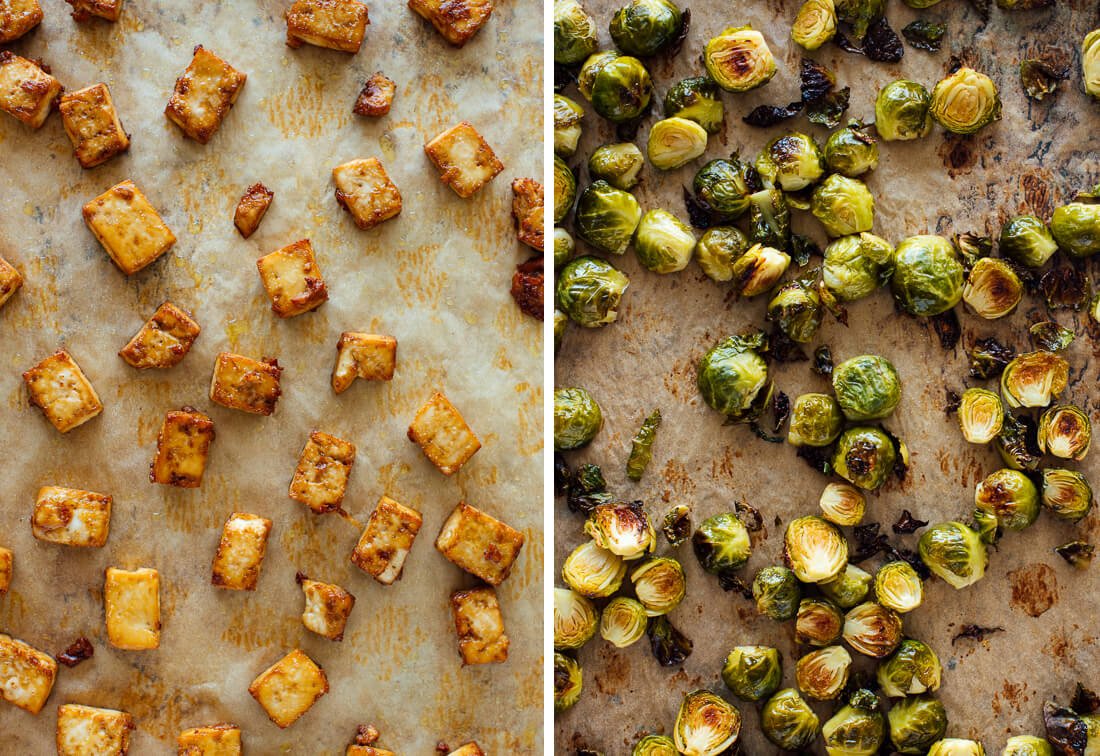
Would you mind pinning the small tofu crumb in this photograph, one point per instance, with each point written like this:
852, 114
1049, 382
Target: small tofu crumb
183, 446
86, 730
364, 744
443, 435
479, 544
455, 20
7, 567
27, 90
470, 749
465, 160
17, 17
335, 24
132, 601
321, 477
27, 674
92, 123
376, 96
163, 341
245, 384
387, 540
363, 355
71, 517
364, 189
241, 552
78, 652
10, 281
204, 93
527, 287
252, 208
210, 740
288, 689
327, 607
528, 209
84, 10
292, 278
60, 389
480, 627
128, 227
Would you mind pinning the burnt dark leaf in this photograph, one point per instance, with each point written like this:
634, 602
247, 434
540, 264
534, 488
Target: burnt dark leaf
763, 116
585, 503
975, 632
954, 63
698, 211
1049, 336
749, 516
589, 480
1076, 553
828, 111
972, 248
628, 130
947, 328
784, 349
670, 647
803, 249
1065, 287
562, 475
564, 76
677, 44
869, 542
818, 457
781, 410
952, 400
763, 434
823, 361
1017, 441
816, 80
1040, 78
1066, 731
989, 357
1084, 701
730, 582
924, 35
832, 304
882, 44
907, 523
677, 524
846, 44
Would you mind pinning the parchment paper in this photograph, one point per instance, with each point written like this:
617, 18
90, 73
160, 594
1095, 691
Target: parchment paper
436, 277
1035, 158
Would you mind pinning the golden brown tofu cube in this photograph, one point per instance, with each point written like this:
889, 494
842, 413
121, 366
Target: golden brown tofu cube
363, 355
363, 750
321, 477
470, 749
480, 627
387, 540
293, 279
204, 94
443, 435
92, 124
60, 389
88, 731
289, 688
364, 189
27, 91
84, 10
466, 162
482, 545
527, 211
183, 446
71, 517
7, 567
252, 208
335, 24
10, 281
241, 552
128, 227
132, 601
211, 740
17, 17
163, 341
26, 674
245, 384
327, 607
456, 20
376, 97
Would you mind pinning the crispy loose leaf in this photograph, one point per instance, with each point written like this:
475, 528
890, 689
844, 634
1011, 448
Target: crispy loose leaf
677, 524
882, 44
947, 328
763, 116
972, 248
924, 35
728, 582
975, 632
1049, 336
989, 357
698, 211
1076, 553
670, 647
823, 361
1066, 731
1040, 78
749, 516
563, 476
641, 448
1065, 287
803, 249
952, 400
1084, 701
78, 651
816, 80
828, 111
907, 523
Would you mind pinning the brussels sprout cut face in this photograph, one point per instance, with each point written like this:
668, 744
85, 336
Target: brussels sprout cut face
1066, 494
867, 387
956, 747
697, 99
567, 682
981, 415
706, 724
623, 622
815, 420
851, 151
992, 289
724, 186
617, 164
722, 543
565, 189
864, 457
788, 721
574, 32
567, 125
814, 25
916, 723
575, 619
593, 572
815, 550
913, 669
646, 27
1027, 240
1076, 228
954, 553
752, 673
739, 59
577, 418
818, 623
1065, 431
663, 243
843, 205
622, 529
717, 250
659, 585
898, 587
732, 378
842, 504
848, 588
759, 269
822, 674
1010, 496
1034, 379
858, 729
1090, 63
777, 593
965, 101
589, 290
928, 276
655, 745
791, 162
621, 89
901, 111
857, 265
674, 142
1027, 745
872, 629
607, 217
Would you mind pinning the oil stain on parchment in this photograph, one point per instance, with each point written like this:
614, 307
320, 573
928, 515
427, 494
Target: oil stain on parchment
1034, 589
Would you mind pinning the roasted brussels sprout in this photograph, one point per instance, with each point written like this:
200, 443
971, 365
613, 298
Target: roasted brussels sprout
733, 378
561, 320
928, 276
814, 549
898, 587
769, 218
721, 543
622, 529
655, 745
706, 724
872, 629
848, 588
992, 289
857, 265
1076, 228
815, 24
822, 674
981, 415
955, 553
865, 457
565, 189
858, 729
818, 623
851, 151
965, 101
663, 243
1027, 240
617, 164
902, 111
1065, 432
586, 77
842, 504
1010, 496
567, 125
589, 290
607, 217
786, 719
1027, 745
646, 27
815, 420
697, 99
717, 249
759, 269
574, 32
1090, 63
1071, 733
568, 681
677, 524
623, 622
859, 14
575, 619
1066, 494
796, 310
563, 247
777, 593
577, 418
956, 747
867, 387
913, 669
593, 572
739, 59
916, 723
621, 88
674, 142
659, 584
791, 162
752, 672
843, 205
1034, 379
724, 187
986, 525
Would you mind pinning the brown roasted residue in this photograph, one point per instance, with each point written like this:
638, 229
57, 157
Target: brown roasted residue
80, 650
1034, 589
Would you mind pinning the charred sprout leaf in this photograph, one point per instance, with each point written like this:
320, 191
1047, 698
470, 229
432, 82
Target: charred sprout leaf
989, 358
1040, 78
947, 328
907, 523
952, 401
1017, 443
1076, 553
749, 516
677, 524
1084, 701
641, 449
859, 14
972, 248
1065, 729
818, 458
1050, 336
670, 647
728, 582
781, 410
78, 651
823, 361
803, 249
1066, 287
828, 111
924, 35
816, 80
588, 480
699, 212
763, 116
846, 44
975, 632
585, 503
882, 44
563, 476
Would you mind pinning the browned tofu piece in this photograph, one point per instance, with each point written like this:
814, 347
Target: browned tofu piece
10, 281
466, 161
241, 552
163, 341
210, 740
92, 124
7, 567
327, 607
456, 20
252, 208
204, 94
88, 731
17, 17
321, 478
128, 227
363, 355
132, 606
480, 627
245, 384
293, 279
470, 749
482, 545
26, 674
60, 389
376, 96
71, 517
289, 688
364, 189
387, 540
27, 91
335, 24
443, 435
364, 744
84, 10
528, 211
183, 446
364, 750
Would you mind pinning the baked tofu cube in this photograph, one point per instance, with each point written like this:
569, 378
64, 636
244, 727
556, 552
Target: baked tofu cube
17, 17
60, 389
132, 600
482, 545
7, 566
128, 227
364, 743
241, 552
335, 24
528, 210
163, 341
10, 281
364, 750
27, 91
443, 435
71, 517
26, 674
387, 540
92, 124
465, 161
376, 97
211, 740
87, 731
480, 628
363, 355
204, 94
364, 189
183, 446
470, 749
456, 20
245, 384
84, 10
327, 607
252, 208
321, 477
289, 688
293, 279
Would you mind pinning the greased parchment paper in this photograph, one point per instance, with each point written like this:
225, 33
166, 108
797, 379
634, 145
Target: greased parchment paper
436, 277
1034, 159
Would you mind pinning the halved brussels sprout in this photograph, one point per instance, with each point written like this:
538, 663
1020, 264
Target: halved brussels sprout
992, 289
791, 162
617, 164
1090, 63
574, 32
916, 723
1027, 745
567, 125
955, 553
589, 290
818, 623
928, 276
697, 99
607, 217
721, 543
759, 269
752, 672
867, 387
787, 720
674, 142
575, 619
913, 669
1027, 240
621, 89
623, 622
577, 418
815, 24
843, 206
622, 529
717, 249
1010, 496
857, 265
568, 682
796, 310
593, 572
901, 111
659, 585
777, 593
706, 724
646, 27
733, 378
1065, 431
1076, 228
872, 629
1034, 379
739, 59
563, 247
956, 747
677, 524
815, 420
655, 745
865, 457
1066, 493
848, 588
851, 151
814, 549
898, 587
724, 187
663, 243
857, 729
822, 674
561, 320
565, 189
965, 101
842, 504
770, 218
981, 415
